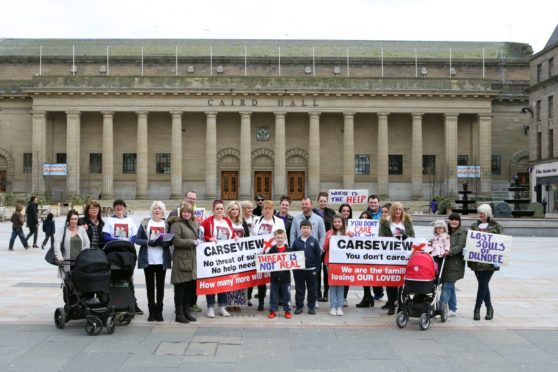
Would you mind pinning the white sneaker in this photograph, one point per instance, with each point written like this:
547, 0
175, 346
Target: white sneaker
452, 313
340, 311
333, 312
345, 303
317, 306
210, 312
224, 311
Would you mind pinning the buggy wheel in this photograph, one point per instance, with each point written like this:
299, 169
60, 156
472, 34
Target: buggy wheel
444, 312
125, 319
424, 321
110, 325
401, 319
60, 318
93, 326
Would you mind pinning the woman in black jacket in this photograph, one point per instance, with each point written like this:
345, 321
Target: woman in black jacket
93, 224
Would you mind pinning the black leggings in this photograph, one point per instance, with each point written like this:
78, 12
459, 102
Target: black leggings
155, 275
483, 290
185, 293
33, 230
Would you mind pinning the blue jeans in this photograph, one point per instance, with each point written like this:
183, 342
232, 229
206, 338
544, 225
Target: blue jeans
280, 290
448, 295
15, 233
336, 296
221, 299
483, 291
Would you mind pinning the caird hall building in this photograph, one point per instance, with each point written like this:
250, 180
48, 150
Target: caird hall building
231, 118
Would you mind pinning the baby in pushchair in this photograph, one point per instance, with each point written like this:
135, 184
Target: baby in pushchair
419, 295
86, 292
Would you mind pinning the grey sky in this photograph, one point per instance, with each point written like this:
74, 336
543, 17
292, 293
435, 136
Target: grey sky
474, 20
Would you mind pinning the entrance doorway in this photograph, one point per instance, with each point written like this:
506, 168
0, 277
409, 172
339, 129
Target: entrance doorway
296, 185
2, 181
262, 184
229, 185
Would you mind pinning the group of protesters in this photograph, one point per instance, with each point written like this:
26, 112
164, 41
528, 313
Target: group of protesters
309, 231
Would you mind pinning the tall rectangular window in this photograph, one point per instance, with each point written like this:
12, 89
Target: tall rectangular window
462, 159
428, 164
395, 164
95, 163
129, 163
538, 110
496, 165
551, 143
163, 163
61, 158
539, 146
362, 164
27, 162
550, 68
550, 102
539, 73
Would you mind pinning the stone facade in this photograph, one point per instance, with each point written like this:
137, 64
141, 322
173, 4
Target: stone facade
234, 126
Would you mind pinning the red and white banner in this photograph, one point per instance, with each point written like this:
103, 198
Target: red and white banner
229, 265
378, 261
267, 263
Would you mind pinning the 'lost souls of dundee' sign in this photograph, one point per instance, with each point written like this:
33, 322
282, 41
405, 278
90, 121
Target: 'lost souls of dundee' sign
488, 248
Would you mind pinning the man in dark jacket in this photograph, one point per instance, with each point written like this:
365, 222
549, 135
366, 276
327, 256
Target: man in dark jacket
31, 213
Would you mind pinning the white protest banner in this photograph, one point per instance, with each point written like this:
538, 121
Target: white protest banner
488, 248
266, 263
378, 261
347, 196
228, 265
363, 227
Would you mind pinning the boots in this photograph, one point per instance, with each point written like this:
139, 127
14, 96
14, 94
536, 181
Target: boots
188, 313
180, 317
489, 313
152, 311
260, 304
159, 313
391, 309
476, 314
367, 301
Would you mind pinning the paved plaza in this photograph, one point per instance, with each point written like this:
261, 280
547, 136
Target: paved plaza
522, 336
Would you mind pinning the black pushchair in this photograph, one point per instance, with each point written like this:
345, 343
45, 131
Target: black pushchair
122, 257
85, 290
420, 295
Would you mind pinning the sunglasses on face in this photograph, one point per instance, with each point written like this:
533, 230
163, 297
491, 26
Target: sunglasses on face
259, 200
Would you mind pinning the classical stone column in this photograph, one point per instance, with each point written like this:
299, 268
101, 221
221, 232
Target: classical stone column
314, 166
485, 151
211, 155
108, 155
280, 167
348, 150
416, 157
383, 152
450, 139
39, 151
73, 152
176, 155
142, 156
245, 156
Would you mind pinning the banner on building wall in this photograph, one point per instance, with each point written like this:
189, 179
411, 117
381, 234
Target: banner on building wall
468, 171
488, 248
230, 265
378, 261
347, 196
54, 170
363, 227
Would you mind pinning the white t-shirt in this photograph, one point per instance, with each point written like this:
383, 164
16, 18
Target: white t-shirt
154, 229
221, 230
262, 226
238, 229
120, 228
397, 229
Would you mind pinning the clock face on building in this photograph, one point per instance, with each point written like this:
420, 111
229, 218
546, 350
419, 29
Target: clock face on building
262, 134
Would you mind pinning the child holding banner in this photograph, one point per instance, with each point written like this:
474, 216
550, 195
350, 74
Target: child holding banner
306, 279
336, 292
280, 287
484, 271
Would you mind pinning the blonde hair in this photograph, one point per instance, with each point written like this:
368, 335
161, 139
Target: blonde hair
485, 208
268, 204
246, 204
394, 206
160, 204
230, 206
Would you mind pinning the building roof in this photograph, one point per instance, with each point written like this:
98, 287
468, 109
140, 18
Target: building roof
264, 48
553, 38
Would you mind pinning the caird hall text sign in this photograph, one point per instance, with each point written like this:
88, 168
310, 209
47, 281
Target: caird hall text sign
241, 102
